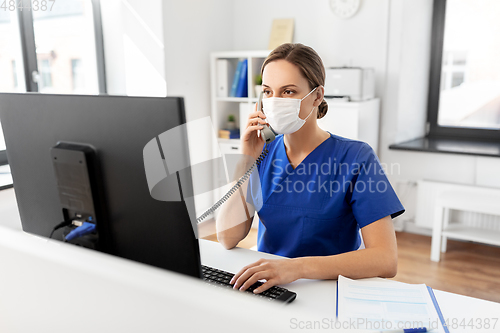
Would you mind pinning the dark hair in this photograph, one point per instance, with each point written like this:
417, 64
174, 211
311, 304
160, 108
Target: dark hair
308, 62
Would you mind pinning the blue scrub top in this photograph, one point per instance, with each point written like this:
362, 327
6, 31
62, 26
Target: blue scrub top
318, 208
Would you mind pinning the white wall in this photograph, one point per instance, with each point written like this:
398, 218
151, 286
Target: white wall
405, 92
154, 45
359, 41
392, 36
192, 30
134, 47
403, 114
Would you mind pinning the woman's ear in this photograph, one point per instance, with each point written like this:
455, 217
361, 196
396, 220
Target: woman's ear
319, 94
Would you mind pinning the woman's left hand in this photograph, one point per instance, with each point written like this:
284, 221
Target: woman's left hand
276, 271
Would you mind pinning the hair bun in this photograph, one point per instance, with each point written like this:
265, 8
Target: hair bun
322, 109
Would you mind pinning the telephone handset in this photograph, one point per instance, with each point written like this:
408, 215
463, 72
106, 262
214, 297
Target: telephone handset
268, 135
267, 132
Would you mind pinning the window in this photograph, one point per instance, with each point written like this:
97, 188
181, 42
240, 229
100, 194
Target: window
62, 34
12, 75
77, 75
45, 80
10, 53
53, 51
464, 89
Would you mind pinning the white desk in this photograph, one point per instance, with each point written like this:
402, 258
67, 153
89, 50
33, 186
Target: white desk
5, 177
313, 296
318, 298
49, 286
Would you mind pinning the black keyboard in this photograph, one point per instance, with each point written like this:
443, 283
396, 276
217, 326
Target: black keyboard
222, 278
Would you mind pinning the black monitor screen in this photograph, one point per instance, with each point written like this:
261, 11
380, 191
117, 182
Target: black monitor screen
138, 227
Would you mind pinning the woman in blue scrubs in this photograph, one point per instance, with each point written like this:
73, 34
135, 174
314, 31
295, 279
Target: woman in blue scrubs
314, 191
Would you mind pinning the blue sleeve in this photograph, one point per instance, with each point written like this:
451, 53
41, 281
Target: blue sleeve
372, 196
254, 190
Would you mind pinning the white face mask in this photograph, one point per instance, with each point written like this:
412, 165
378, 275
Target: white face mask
283, 113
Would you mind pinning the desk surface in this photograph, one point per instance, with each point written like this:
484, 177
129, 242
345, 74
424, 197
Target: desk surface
5, 177
47, 286
127, 296
313, 296
318, 297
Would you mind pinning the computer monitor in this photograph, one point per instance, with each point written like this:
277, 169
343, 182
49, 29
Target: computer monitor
138, 227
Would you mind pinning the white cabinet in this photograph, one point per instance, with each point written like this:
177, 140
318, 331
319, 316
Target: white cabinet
353, 120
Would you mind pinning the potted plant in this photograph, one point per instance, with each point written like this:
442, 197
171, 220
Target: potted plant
231, 123
258, 85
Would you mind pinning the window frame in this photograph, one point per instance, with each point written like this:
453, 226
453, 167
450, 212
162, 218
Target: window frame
434, 129
14, 72
45, 73
74, 74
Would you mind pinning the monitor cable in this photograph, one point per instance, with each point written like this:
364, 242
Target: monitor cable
85, 229
59, 226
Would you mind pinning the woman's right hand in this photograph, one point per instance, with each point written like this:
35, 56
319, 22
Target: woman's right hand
251, 144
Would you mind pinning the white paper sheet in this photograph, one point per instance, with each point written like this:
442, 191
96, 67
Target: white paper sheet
381, 304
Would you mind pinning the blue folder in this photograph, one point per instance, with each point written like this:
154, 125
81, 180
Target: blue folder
236, 79
434, 301
242, 88
438, 309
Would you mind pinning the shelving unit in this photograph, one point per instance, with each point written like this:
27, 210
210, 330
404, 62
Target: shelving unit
473, 234
471, 199
222, 107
